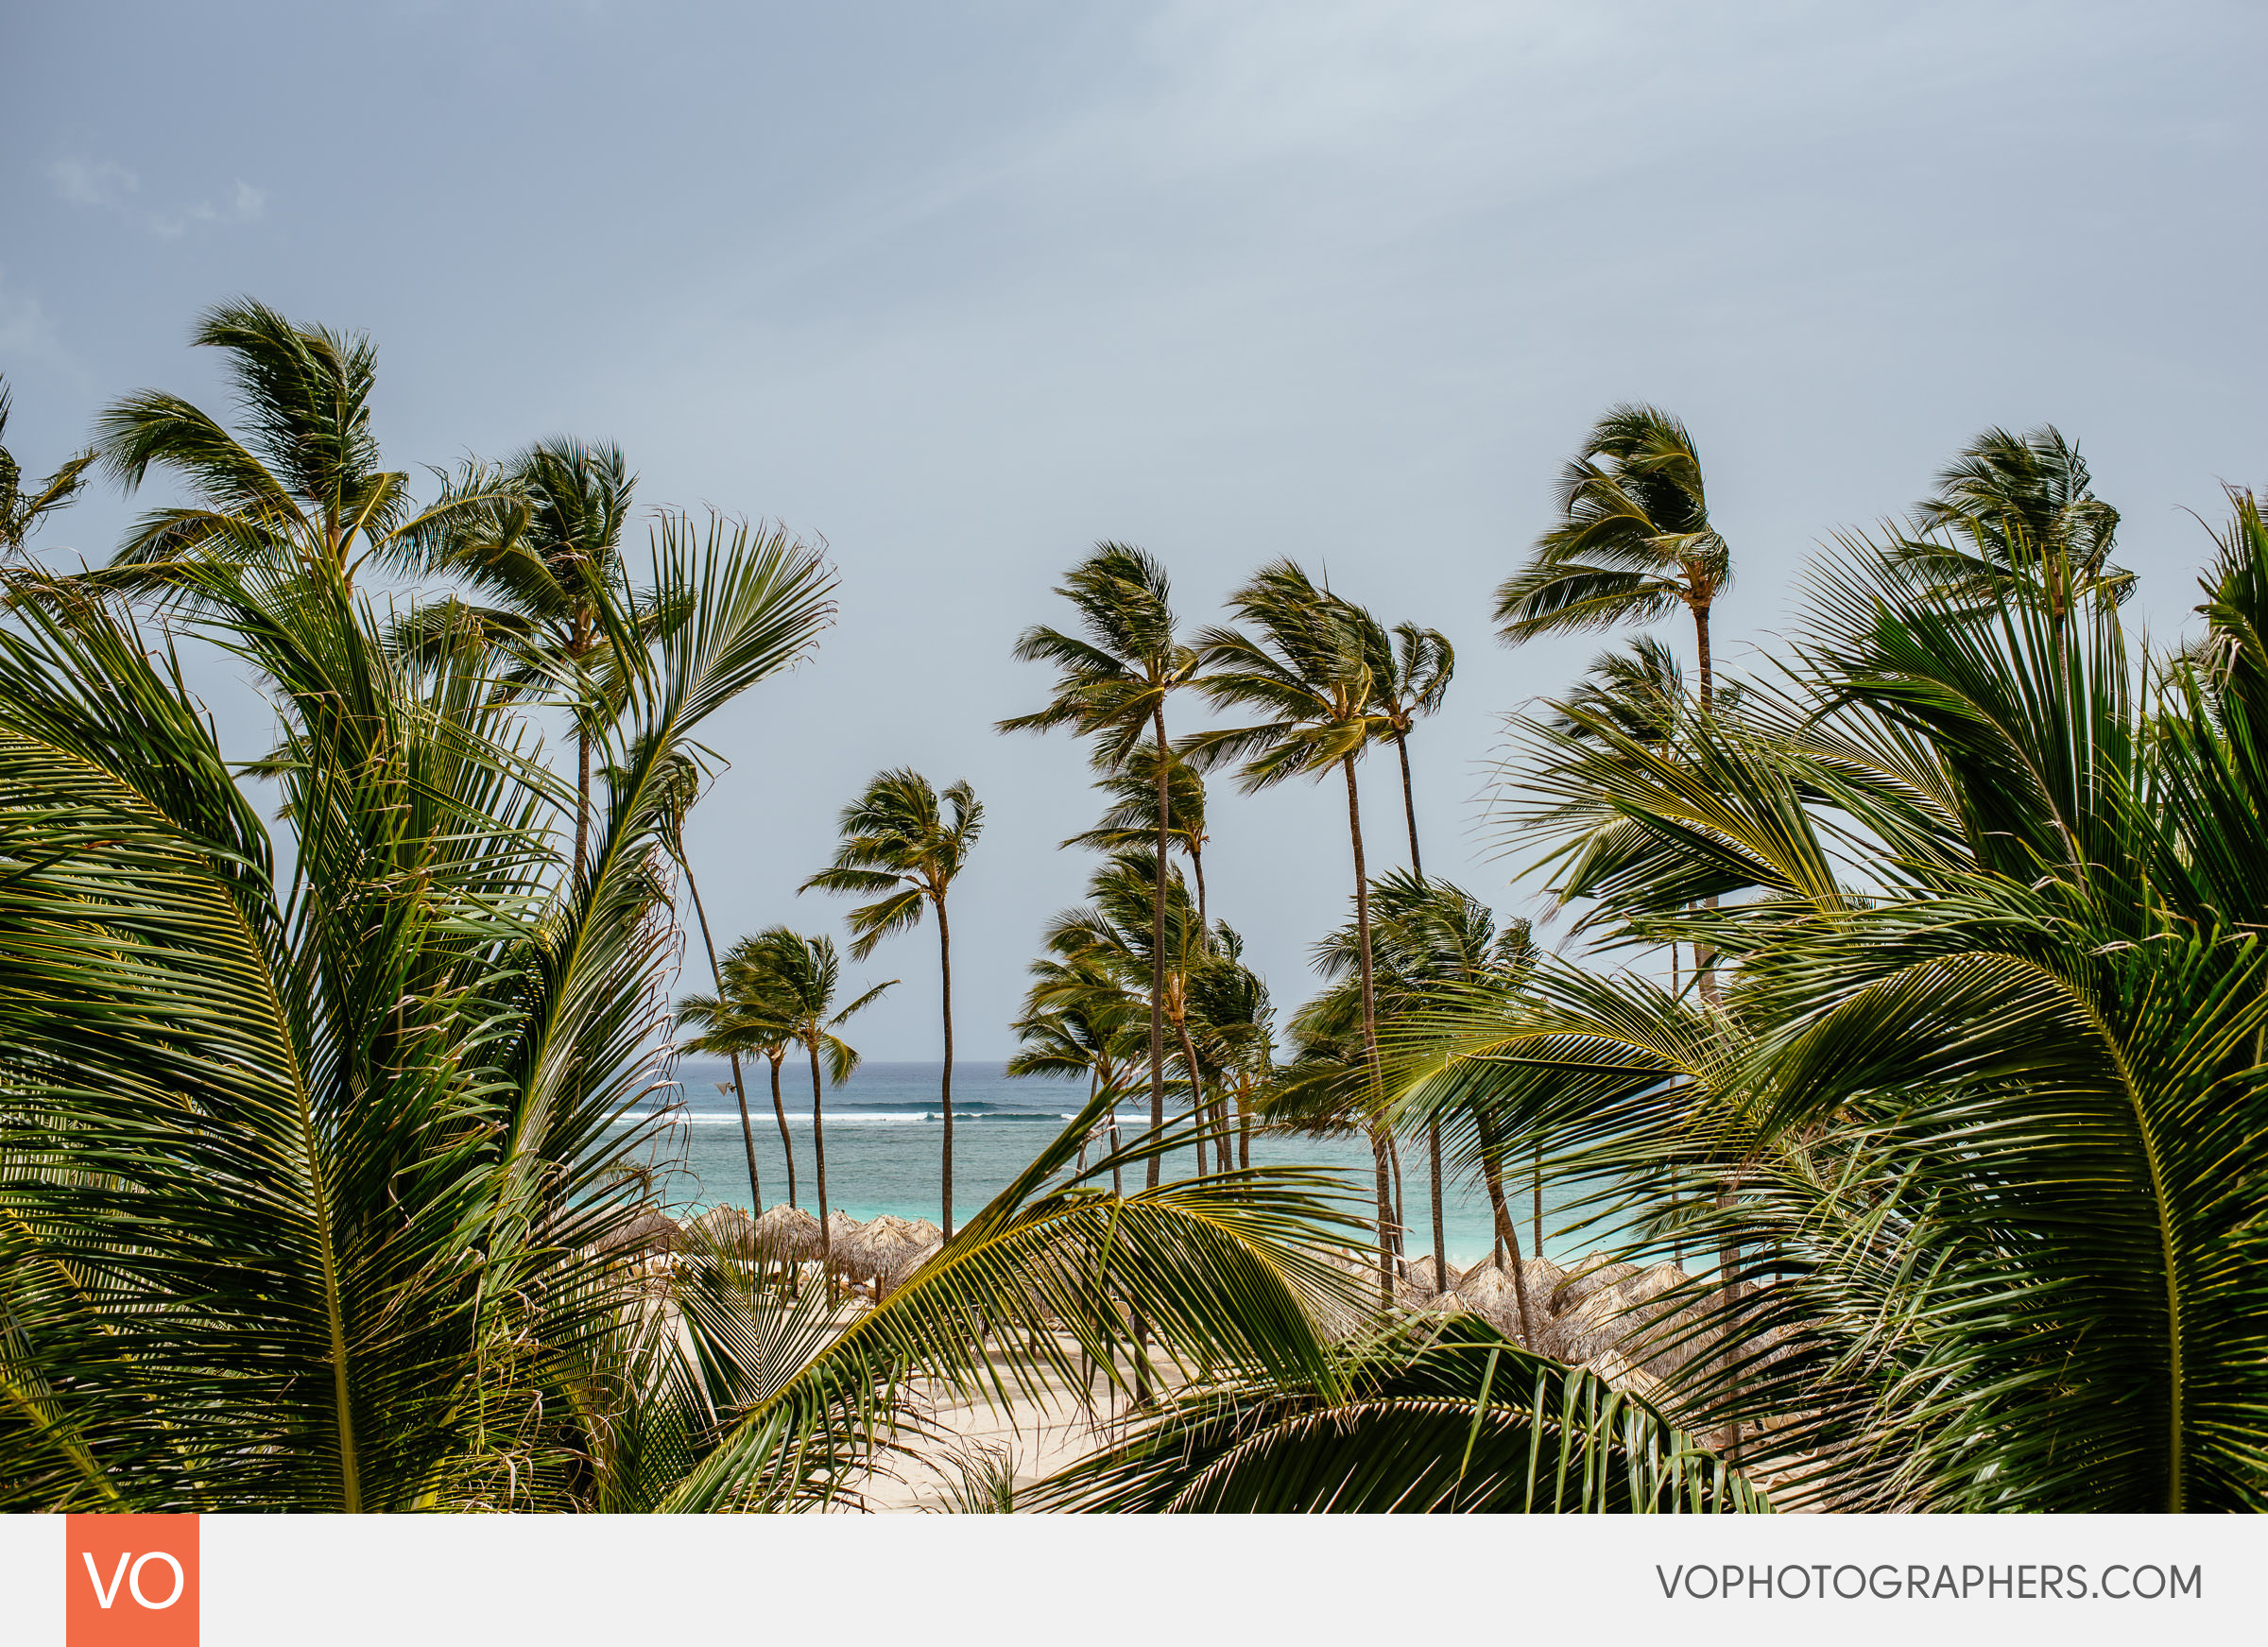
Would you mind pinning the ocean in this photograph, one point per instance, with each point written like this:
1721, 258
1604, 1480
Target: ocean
883, 1147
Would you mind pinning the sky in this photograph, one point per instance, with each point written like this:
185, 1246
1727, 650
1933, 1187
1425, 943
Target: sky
961, 289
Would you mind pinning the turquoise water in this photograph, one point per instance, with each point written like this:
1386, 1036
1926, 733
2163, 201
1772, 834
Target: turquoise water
883, 1147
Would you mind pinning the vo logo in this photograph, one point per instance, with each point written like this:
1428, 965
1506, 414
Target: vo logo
131, 1581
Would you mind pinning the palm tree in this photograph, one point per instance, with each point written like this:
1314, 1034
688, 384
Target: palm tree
301, 486
1633, 542
21, 511
1080, 1018
1113, 684
2019, 512
1228, 1003
1412, 679
1112, 933
1433, 1416
1131, 820
365, 1108
540, 546
1309, 671
745, 1016
800, 978
899, 842
1434, 946
1993, 1073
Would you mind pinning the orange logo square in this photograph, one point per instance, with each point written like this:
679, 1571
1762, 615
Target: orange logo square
129, 1581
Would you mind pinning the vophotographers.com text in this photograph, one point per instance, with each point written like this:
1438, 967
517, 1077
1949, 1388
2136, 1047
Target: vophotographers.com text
1916, 1581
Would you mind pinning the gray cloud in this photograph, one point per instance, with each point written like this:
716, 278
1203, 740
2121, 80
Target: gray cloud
85, 182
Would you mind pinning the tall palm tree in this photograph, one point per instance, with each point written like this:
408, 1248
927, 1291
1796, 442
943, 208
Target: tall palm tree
1131, 822
2019, 512
21, 511
1111, 683
1080, 1019
747, 1015
1633, 542
540, 548
1993, 1079
1637, 693
1411, 677
901, 842
300, 487
1228, 1003
1114, 932
1307, 668
687, 792
799, 977
1411, 680
364, 1108
1434, 945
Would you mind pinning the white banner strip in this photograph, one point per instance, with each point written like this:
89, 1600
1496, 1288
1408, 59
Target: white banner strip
1916, 1582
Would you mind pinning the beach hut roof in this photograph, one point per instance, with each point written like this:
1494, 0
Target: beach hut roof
786, 1232
645, 1230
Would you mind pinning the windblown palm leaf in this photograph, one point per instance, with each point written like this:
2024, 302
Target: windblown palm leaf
1437, 1415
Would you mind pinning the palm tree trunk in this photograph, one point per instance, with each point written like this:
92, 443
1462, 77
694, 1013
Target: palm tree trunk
582, 798
1433, 1147
740, 1092
1401, 1208
1158, 941
1196, 868
945, 990
819, 1153
1105, 1076
1539, 1183
1362, 928
779, 1111
1196, 1090
1705, 979
1244, 1132
1508, 1232
1409, 805
1705, 973
1095, 1082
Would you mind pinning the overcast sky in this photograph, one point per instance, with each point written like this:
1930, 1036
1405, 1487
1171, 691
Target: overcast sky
965, 288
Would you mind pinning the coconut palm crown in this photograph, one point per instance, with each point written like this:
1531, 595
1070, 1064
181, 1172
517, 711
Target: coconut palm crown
21, 511
903, 841
1306, 665
1111, 683
1633, 542
302, 482
2017, 513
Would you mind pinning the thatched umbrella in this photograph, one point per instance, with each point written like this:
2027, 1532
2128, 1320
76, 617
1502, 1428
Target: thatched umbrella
1429, 1285
644, 1232
728, 1229
1544, 1279
1596, 1273
855, 1248
841, 1229
786, 1235
1616, 1319
889, 1244
1488, 1292
910, 1259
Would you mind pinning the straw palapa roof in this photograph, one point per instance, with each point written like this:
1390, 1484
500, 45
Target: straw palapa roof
786, 1234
